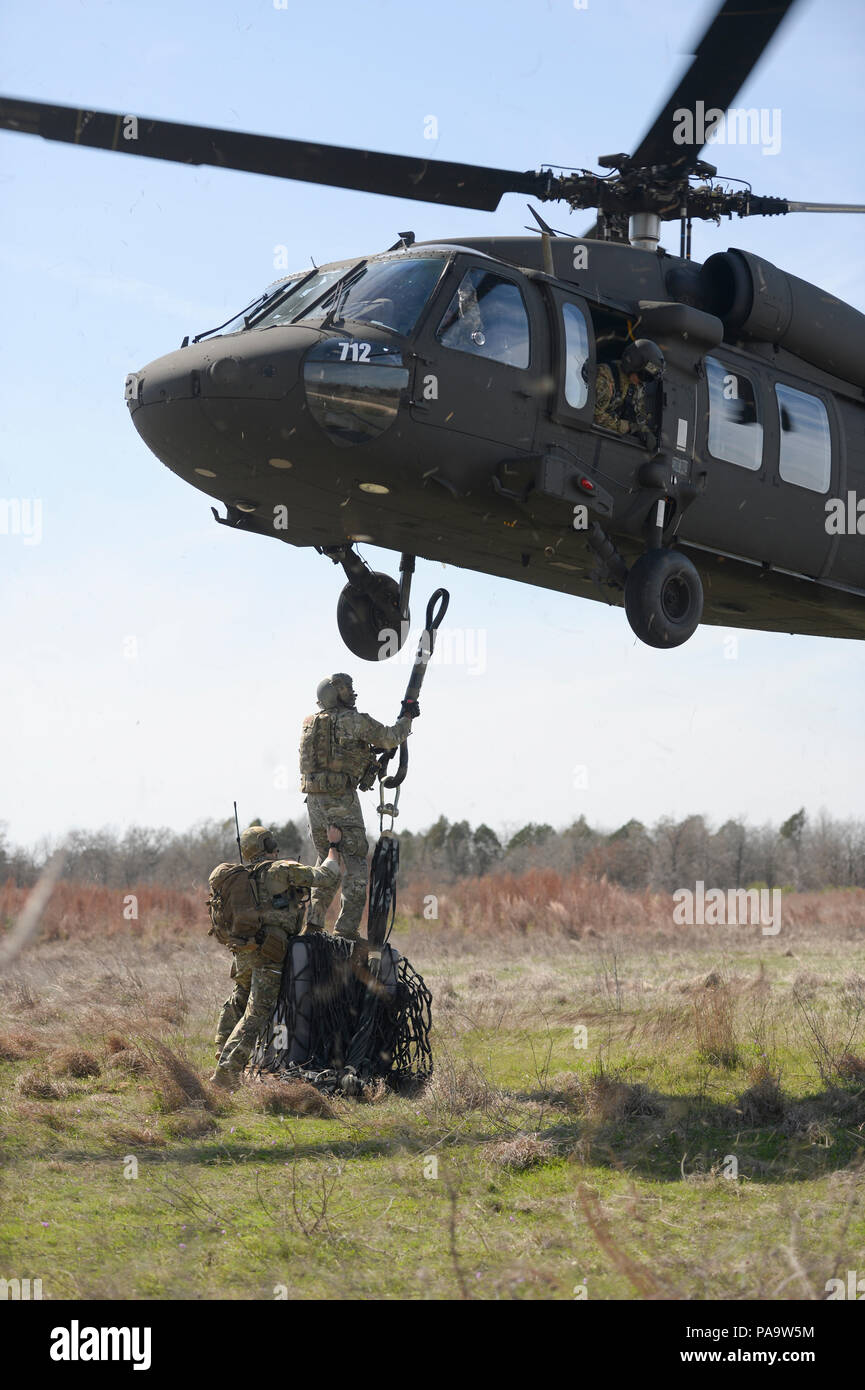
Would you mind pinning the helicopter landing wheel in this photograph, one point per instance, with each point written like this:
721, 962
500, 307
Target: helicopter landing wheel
372, 627
663, 598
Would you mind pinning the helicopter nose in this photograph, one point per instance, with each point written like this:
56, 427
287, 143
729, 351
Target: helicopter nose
256, 366
216, 403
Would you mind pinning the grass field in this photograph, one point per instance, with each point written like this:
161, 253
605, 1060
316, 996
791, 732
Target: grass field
706, 1141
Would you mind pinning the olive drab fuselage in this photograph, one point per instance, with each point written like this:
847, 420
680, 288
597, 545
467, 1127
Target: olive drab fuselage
472, 440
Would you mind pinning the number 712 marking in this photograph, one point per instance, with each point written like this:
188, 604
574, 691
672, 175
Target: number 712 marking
359, 352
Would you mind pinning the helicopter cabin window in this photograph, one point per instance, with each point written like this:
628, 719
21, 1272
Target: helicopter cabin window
576, 356
487, 317
735, 429
805, 456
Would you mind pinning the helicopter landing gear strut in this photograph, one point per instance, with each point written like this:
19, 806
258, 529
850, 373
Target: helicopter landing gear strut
663, 593
373, 610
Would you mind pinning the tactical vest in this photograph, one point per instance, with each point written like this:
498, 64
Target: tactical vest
326, 765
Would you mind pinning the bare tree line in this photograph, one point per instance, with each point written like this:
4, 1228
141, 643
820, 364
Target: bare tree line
802, 853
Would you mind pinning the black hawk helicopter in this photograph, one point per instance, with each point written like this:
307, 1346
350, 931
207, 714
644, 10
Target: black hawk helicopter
439, 398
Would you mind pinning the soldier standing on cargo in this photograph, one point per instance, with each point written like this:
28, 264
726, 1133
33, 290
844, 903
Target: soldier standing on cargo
256, 910
620, 391
337, 758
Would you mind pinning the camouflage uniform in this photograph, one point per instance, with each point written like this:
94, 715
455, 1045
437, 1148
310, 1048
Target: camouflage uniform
331, 768
619, 404
257, 969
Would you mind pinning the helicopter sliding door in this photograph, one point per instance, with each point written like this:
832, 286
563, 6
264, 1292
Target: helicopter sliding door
760, 503
480, 354
805, 458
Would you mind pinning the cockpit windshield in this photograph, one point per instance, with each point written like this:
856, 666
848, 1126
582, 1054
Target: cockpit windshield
295, 296
389, 293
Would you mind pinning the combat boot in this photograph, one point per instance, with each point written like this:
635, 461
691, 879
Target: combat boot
224, 1079
349, 1082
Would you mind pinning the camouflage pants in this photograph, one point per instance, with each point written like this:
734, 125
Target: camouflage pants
343, 810
247, 1009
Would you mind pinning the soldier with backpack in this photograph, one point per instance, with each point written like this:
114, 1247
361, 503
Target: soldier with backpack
255, 908
337, 758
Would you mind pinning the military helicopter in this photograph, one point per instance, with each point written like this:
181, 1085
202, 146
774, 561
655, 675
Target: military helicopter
438, 398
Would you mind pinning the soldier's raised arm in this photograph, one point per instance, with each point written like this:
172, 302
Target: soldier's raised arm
287, 873
362, 726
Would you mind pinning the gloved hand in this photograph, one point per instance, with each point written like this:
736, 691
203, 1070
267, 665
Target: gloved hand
334, 834
409, 709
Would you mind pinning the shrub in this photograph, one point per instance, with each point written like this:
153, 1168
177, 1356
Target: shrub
291, 1098
37, 1085
73, 1061
524, 1151
17, 1044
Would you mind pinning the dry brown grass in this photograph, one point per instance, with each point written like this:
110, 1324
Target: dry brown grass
176, 1084
374, 1092
135, 1136
290, 1098
544, 900
173, 1008
521, 1152
576, 906
715, 1023
496, 906
74, 1061
77, 911
604, 1096
191, 1124
129, 1060
36, 1084
17, 1044
459, 1089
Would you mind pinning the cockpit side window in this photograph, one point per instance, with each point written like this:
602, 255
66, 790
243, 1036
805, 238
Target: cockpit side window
487, 317
735, 427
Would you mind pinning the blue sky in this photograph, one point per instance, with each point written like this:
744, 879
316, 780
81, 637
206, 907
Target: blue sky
156, 666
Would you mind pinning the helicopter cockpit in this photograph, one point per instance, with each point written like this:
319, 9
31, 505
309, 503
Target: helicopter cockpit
388, 292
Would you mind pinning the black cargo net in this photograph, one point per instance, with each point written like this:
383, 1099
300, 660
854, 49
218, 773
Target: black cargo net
332, 1015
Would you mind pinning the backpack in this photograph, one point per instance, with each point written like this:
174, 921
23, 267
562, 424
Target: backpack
316, 744
235, 915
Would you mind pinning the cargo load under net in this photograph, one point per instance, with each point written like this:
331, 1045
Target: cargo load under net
334, 1016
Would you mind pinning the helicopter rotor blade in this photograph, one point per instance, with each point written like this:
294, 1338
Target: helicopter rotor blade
726, 55
825, 207
397, 176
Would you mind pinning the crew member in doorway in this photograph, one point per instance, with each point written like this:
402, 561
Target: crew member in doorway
625, 392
